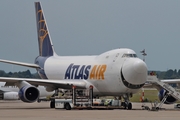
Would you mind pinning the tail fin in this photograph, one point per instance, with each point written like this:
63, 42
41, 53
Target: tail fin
44, 39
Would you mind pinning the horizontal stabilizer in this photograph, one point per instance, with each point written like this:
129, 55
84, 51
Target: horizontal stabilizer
20, 63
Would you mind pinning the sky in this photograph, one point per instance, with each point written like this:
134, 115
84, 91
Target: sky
91, 27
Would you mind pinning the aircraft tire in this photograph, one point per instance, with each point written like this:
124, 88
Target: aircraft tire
124, 105
129, 107
67, 106
38, 100
52, 104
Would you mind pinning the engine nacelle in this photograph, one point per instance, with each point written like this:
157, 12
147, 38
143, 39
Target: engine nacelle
10, 96
29, 94
49, 89
169, 100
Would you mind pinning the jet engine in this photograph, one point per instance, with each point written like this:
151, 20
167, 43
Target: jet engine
169, 100
29, 94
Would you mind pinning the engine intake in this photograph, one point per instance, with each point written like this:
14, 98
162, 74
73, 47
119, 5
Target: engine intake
28, 94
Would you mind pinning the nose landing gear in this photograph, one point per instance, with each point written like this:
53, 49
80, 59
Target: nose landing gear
127, 104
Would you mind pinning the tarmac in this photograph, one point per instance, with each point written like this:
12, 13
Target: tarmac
18, 110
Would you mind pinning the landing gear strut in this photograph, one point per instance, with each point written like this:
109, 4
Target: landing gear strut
52, 103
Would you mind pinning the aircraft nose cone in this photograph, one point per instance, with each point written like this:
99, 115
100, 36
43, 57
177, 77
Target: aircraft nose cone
140, 66
135, 71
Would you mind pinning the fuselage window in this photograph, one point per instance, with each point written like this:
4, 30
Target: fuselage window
130, 55
134, 55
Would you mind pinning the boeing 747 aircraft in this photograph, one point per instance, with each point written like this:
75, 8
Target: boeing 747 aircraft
117, 72
11, 92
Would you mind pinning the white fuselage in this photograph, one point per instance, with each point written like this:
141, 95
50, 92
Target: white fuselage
102, 71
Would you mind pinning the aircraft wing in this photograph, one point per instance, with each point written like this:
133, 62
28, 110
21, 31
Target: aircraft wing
171, 80
64, 84
5, 90
20, 63
151, 84
1, 91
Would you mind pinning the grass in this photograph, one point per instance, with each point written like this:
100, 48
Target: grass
150, 95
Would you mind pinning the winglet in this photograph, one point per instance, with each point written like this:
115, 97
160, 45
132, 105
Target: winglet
44, 39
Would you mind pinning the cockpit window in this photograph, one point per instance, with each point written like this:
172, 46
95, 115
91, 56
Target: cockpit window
130, 55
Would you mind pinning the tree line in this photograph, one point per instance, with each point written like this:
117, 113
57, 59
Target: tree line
20, 74
169, 74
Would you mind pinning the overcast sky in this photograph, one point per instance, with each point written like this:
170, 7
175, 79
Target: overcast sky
89, 27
